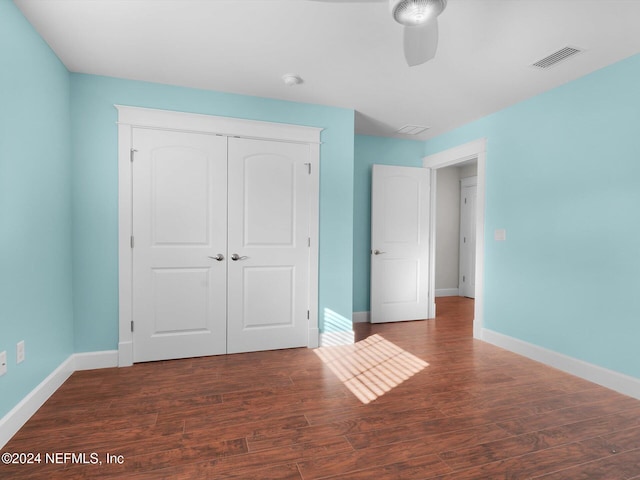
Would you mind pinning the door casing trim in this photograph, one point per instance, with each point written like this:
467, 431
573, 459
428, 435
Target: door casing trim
468, 151
130, 117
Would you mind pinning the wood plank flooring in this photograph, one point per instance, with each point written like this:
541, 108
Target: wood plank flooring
411, 400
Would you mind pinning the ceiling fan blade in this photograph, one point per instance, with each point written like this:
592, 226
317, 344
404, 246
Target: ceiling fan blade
421, 42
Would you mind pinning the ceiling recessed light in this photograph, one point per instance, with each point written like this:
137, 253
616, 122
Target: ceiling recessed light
291, 79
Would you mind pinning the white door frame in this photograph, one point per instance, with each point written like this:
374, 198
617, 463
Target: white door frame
130, 117
454, 156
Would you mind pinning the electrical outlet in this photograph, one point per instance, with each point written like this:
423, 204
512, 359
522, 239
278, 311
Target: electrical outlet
3, 362
20, 352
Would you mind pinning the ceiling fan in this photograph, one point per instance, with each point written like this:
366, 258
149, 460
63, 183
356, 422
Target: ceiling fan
420, 20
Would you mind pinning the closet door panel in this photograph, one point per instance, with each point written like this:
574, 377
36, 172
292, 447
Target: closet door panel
268, 235
179, 225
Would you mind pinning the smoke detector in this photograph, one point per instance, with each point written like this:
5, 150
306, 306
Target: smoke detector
291, 79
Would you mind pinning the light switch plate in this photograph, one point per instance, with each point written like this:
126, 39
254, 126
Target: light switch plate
500, 235
20, 352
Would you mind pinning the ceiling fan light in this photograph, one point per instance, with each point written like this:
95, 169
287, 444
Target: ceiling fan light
417, 12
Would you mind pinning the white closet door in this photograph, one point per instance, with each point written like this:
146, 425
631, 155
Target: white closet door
269, 187
179, 225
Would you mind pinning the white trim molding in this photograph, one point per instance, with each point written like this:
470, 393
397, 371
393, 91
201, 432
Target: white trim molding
469, 181
24, 410
18, 415
95, 360
314, 248
361, 317
226, 126
447, 292
136, 117
619, 382
314, 337
462, 153
125, 255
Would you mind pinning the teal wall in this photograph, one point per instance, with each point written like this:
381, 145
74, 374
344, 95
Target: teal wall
95, 190
368, 151
35, 208
563, 179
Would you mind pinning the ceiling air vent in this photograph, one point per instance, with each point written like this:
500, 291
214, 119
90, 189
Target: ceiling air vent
557, 57
412, 130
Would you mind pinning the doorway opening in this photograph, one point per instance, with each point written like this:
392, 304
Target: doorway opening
455, 230
459, 156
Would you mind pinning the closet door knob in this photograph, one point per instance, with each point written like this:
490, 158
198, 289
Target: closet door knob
378, 252
219, 257
235, 257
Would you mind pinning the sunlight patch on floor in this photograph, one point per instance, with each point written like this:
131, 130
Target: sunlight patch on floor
337, 330
372, 367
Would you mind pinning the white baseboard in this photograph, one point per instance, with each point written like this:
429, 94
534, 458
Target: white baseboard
447, 292
361, 317
602, 376
93, 360
18, 415
332, 339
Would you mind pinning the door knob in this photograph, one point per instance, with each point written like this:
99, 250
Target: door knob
235, 257
219, 257
378, 252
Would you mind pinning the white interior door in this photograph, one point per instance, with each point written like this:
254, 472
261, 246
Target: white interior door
269, 193
399, 243
467, 279
179, 227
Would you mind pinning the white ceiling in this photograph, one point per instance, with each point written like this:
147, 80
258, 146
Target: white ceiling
349, 54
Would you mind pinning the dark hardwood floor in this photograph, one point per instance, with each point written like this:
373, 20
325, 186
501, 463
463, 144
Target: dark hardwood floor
411, 400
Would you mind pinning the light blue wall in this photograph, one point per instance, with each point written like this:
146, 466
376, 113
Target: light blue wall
95, 190
35, 209
563, 179
368, 151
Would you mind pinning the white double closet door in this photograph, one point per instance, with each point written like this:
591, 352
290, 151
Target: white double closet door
220, 244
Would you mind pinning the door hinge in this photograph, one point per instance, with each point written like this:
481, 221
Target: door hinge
132, 325
464, 239
132, 151
309, 167
464, 278
308, 241
132, 241
308, 314
465, 201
